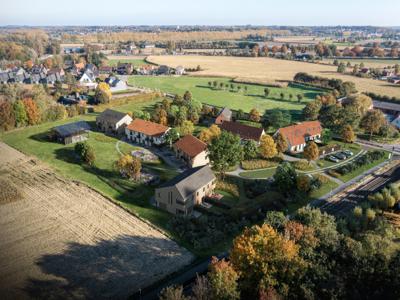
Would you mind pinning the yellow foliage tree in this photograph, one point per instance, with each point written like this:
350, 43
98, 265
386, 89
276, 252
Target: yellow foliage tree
103, 93
348, 135
186, 128
267, 147
129, 165
207, 134
254, 115
311, 151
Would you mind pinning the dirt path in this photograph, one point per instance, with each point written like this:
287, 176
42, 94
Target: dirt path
64, 240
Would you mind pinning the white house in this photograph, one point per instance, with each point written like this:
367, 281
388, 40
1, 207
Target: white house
146, 132
88, 80
179, 70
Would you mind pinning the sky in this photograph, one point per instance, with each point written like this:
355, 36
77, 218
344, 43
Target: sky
200, 12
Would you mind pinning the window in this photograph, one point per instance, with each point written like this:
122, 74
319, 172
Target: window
180, 202
204, 188
170, 197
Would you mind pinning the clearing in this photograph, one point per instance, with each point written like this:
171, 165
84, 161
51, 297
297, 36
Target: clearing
64, 240
270, 70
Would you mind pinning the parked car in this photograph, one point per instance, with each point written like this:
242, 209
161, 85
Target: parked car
332, 159
348, 153
340, 156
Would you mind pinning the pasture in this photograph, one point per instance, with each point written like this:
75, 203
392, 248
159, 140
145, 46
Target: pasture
234, 99
134, 60
270, 70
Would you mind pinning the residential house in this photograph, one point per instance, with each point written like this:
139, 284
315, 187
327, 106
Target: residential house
77, 69
91, 68
116, 84
88, 79
192, 151
114, 122
244, 131
225, 115
179, 195
146, 132
396, 122
72, 132
146, 70
73, 99
4, 77
39, 69
163, 70
388, 108
179, 70
124, 68
298, 135
147, 45
59, 71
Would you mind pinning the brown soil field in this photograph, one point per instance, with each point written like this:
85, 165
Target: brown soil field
64, 240
269, 70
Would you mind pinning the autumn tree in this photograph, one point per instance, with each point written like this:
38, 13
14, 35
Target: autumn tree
32, 111
129, 166
187, 96
361, 103
103, 93
172, 293
373, 121
7, 118
267, 147
281, 143
265, 259
303, 183
222, 279
207, 134
348, 135
311, 151
186, 128
254, 115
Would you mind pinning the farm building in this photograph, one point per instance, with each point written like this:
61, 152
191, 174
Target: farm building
224, 115
116, 84
298, 135
146, 132
124, 68
114, 122
179, 70
72, 132
192, 151
244, 131
179, 195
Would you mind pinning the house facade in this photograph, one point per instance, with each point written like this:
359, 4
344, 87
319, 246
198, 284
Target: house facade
72, 132
182, 193
192, 151
114, 122
146, 132
298, 135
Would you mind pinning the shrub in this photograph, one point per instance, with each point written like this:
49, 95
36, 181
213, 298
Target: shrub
257, 164
227, 187
321, 178
360, 161
333, 173
301, 165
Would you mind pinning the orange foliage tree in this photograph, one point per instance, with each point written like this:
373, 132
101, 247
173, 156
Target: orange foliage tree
32, 111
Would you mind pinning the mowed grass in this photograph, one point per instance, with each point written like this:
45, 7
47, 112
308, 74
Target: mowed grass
135, 62
253, 98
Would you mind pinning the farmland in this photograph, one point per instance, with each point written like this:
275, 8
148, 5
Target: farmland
64, 240
270, 70
253, 98
370, 63
134, 60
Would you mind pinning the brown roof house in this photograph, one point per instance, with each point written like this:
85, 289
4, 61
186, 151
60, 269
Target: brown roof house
114, 122
298, 135
146, 132
192, 151
179, 195
224, 115
244, 131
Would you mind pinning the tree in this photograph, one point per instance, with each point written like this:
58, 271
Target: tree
299, 97
311, 151
201, 289
20, 115
171, 136
311, 110
373, 121
303, 183
187, 96
207, 134
326, 135
267, 147
277, 118
266, 92
341, 68
282, 95
85, 152
265, 259
172, 293
223, 280
103, 93
130, 166
361, 103
285, 177
225, 152
32, 111
254, 115
348, 135
250, 149
281, 143
186, 128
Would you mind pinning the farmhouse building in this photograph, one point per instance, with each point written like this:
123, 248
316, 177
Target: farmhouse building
114, 122
116, 84
224, 115
72, 132
179, 70
192, 151
298, 135
146, 132
124, 68
244, 131
189, 188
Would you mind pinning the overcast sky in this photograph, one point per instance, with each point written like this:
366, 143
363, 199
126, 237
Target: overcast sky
200, 12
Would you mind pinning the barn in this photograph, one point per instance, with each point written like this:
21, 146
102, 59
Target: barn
72, 132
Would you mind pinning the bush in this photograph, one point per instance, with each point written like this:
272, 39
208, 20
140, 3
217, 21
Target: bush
254, 188
333, 173
257, 164
301, 165
227, 187
360, 161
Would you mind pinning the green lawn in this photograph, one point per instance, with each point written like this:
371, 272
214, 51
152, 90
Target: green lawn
135, 62
137, 105
264, 173
254, 97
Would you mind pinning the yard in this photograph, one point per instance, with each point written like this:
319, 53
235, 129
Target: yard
253, 98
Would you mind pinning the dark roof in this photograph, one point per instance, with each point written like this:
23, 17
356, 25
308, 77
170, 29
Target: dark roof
72, 128
191, 180
111, 116
244, 131
386, 105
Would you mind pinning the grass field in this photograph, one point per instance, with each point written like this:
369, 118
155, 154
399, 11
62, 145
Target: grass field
372, 63
134, 61
254, 97
270, 70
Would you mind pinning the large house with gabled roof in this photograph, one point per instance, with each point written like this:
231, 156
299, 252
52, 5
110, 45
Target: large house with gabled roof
192, 151
146, 132
112, 121
244, 131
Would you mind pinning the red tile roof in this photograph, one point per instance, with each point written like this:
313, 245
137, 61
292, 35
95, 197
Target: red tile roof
147, 127
296, 134
244, 131
190, 145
